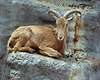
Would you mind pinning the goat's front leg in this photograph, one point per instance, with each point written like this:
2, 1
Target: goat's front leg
49, 52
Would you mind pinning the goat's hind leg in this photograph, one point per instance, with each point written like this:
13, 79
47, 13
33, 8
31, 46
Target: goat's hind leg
22, 49
10, 45
19, 46
49, 52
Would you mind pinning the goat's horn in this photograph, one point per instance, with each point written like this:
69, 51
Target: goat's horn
56, 14
66, 15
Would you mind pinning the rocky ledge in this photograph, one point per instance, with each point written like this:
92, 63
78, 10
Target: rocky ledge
25, 66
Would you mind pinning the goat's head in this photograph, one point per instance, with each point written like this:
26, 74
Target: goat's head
62, 22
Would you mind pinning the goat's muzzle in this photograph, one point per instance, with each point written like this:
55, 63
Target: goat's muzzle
60, 37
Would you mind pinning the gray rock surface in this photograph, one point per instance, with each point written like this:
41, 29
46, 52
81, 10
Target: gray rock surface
15, 13
25, 66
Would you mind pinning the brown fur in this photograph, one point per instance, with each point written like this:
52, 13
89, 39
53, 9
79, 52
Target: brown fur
43, 38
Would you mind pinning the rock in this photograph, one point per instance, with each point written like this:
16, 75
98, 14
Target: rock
15, 13
24, 66
3, 39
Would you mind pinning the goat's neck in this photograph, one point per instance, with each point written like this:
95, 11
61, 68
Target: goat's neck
63, 46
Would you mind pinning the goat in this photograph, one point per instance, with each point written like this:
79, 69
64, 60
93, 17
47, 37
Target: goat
42, 38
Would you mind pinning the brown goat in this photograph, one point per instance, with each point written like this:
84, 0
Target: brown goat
42, 38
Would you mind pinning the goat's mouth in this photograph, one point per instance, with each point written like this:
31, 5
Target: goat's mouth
60, 37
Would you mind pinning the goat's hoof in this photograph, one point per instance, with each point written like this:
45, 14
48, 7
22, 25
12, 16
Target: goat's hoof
56, 55
15, 51
31, 51
51, 54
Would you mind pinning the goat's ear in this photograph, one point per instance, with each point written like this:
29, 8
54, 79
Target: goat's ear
57, 19
69, 19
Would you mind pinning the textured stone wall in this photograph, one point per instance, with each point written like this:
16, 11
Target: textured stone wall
24, 66
15, 13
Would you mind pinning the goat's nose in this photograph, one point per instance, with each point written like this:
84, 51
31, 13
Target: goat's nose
60, 37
